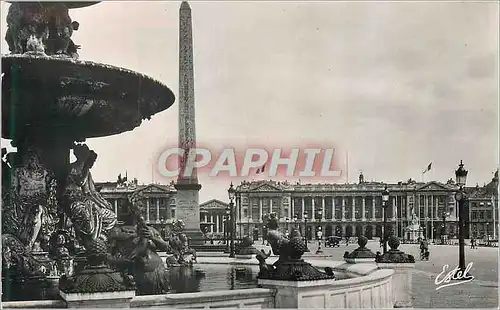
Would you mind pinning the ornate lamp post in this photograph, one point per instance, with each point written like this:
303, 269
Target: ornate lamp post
231, 193
461, 178
305, 226
444, 233
228, 227
295, 220
238, 204
320, 232
385, 204
264, 228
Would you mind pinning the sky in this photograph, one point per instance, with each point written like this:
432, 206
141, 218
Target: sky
396, 85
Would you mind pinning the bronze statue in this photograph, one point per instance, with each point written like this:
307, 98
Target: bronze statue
42, 28
89, 212
290, 266
133, 249
183, 255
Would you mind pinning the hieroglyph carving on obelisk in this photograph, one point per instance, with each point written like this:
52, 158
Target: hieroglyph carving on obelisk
187, 128
187, 185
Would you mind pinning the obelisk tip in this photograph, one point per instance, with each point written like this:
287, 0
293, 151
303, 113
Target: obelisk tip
185, 5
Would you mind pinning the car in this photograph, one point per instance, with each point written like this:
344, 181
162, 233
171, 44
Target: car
333, 241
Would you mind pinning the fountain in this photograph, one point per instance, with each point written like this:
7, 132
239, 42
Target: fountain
51, 103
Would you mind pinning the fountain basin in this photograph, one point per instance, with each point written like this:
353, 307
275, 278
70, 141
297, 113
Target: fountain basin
64, 97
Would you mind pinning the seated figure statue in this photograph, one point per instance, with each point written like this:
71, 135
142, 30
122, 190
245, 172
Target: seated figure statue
89, 212
133, 249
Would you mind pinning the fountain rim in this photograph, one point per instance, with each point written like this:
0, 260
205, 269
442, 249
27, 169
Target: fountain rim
167, 95
80, 62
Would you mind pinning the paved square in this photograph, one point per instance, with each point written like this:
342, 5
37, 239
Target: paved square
482, 292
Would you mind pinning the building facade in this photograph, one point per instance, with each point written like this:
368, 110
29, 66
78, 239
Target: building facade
161, 207
335, 209
350, 209
483, 210
214, 218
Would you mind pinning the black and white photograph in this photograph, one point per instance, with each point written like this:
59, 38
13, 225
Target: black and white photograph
250, 154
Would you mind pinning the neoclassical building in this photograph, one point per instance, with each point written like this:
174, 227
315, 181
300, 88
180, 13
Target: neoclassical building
483, 210
160, 208
339, 209
347, 209
213, 217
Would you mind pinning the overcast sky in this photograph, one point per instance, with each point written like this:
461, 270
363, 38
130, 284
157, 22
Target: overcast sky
397, 85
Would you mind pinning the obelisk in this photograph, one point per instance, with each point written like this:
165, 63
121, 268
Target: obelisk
187, 184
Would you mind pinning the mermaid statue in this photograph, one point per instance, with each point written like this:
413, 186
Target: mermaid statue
133, 247
89, 212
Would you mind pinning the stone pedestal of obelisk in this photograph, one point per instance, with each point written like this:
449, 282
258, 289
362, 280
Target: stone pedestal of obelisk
187, 184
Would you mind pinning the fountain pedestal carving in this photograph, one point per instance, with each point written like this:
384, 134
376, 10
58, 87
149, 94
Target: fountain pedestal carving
50, 100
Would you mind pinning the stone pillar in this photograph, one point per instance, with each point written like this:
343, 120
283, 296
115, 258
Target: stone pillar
147, 210
343, 208
116, 206
313, 215
158, 209
291, 210
373, 208
394, 207
363, 208
212, 222
353, 208
333, 209
323, 209
217, 222
303, 207
403, 266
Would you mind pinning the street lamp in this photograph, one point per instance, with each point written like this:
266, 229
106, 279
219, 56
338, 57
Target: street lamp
385, 204
287, 220
461, 178
444, 232
305, 225
238, 204
230, 212
228, 222
264, 228
295, 219
320, 232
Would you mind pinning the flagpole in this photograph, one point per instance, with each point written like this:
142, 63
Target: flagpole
347, 166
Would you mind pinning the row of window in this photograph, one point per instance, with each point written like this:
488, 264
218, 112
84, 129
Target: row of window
488, 213
159, 209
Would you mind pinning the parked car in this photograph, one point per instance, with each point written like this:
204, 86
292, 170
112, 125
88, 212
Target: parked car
333, 241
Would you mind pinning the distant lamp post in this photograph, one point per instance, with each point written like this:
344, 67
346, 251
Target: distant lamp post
231, 193
385, 204
305, 226
264, 228
287, 220
320, 232
228, 229
444, 232
461, 178
295, 220
238, 220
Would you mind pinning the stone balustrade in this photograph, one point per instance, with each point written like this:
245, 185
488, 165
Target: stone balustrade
370, 291
368, 287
